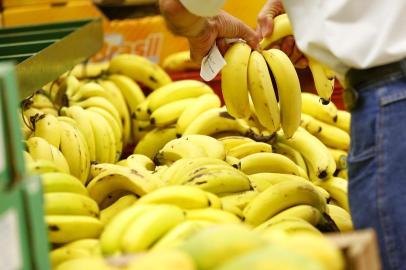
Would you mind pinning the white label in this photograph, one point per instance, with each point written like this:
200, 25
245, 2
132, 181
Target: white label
10, 255
212, 64
2, 150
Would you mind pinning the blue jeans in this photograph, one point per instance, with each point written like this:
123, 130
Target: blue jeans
377, 166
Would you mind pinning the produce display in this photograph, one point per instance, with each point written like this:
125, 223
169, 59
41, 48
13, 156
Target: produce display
175, 180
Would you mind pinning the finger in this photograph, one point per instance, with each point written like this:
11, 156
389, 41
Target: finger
271, 9
296, 54
222, 45
265, 24
287, 45
231, 27
302, 63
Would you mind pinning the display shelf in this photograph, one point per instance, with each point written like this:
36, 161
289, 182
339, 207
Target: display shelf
44, 52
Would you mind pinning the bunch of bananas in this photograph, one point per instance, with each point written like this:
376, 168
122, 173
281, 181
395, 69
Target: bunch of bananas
248, 89
204, 188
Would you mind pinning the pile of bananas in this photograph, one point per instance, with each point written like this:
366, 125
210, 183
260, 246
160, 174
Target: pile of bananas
175, 177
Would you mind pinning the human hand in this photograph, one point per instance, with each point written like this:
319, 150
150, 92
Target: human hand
270, 10
203, 32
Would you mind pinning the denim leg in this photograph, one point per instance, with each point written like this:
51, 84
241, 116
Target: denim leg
377, 168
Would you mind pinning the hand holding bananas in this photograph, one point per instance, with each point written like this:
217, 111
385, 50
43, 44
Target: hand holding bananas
203, 32
266, 17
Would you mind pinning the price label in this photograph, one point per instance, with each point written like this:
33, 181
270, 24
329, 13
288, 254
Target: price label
212, 64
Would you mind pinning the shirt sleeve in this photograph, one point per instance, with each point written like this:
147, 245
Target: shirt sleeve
203, 8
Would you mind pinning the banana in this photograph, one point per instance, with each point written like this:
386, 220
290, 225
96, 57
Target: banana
317, 248
75, 149
83, 122
88, 90
47, 127
63, 254
214, 121
91, 245
102, 103
272, 257
341, 218
154, 140
261, 181
338, 189
177, 149
179, 61
281, 196
67, 228
89, 70
289, 225
212, 215
139, 69
185, 197
240, 199
41, 166
151, 226
142, 111
201, 104
340, 157
62, 182
233, 161
262, 92
175, 237
320, 161
41, 100
139, 129
66, 203
249, 148
142, 160
323, 79
214, 200
216, 245
132, 93
291, 153
177, 172
116, 129
176, 91
234, 141
289, 92
281, 28
104, 138
69, 85
305, 212
113, 233
40, 149
169, 113
118, 100
234, 81
268, 162
343, 174
114, 209
212, 147
219, 179
343, 120
112, 197
90, 263
228, 207
328, 134
312, 106
109, 181
163, 259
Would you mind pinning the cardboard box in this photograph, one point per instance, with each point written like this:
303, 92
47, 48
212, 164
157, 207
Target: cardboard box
47, 13
360, 249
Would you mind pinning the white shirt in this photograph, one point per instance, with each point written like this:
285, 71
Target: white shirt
346, 34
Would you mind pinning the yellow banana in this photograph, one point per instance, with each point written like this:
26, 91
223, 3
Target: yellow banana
268, 162
323, 80
62, 182
212, 215
343, 120
139, 69
234, 80
176, 91
291, 153
281, 28
341, 218
154, 140
261, 181
202, 104
114, 209
289, 91
312, 106
240, 199
262, 92
177, 149
340, 157
66, 203
47, 127
249, 148
169, 113
281, 196
212, 147
338, 189
179, 61
233, 141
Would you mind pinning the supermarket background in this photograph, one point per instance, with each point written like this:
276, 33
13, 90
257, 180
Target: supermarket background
104, 29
